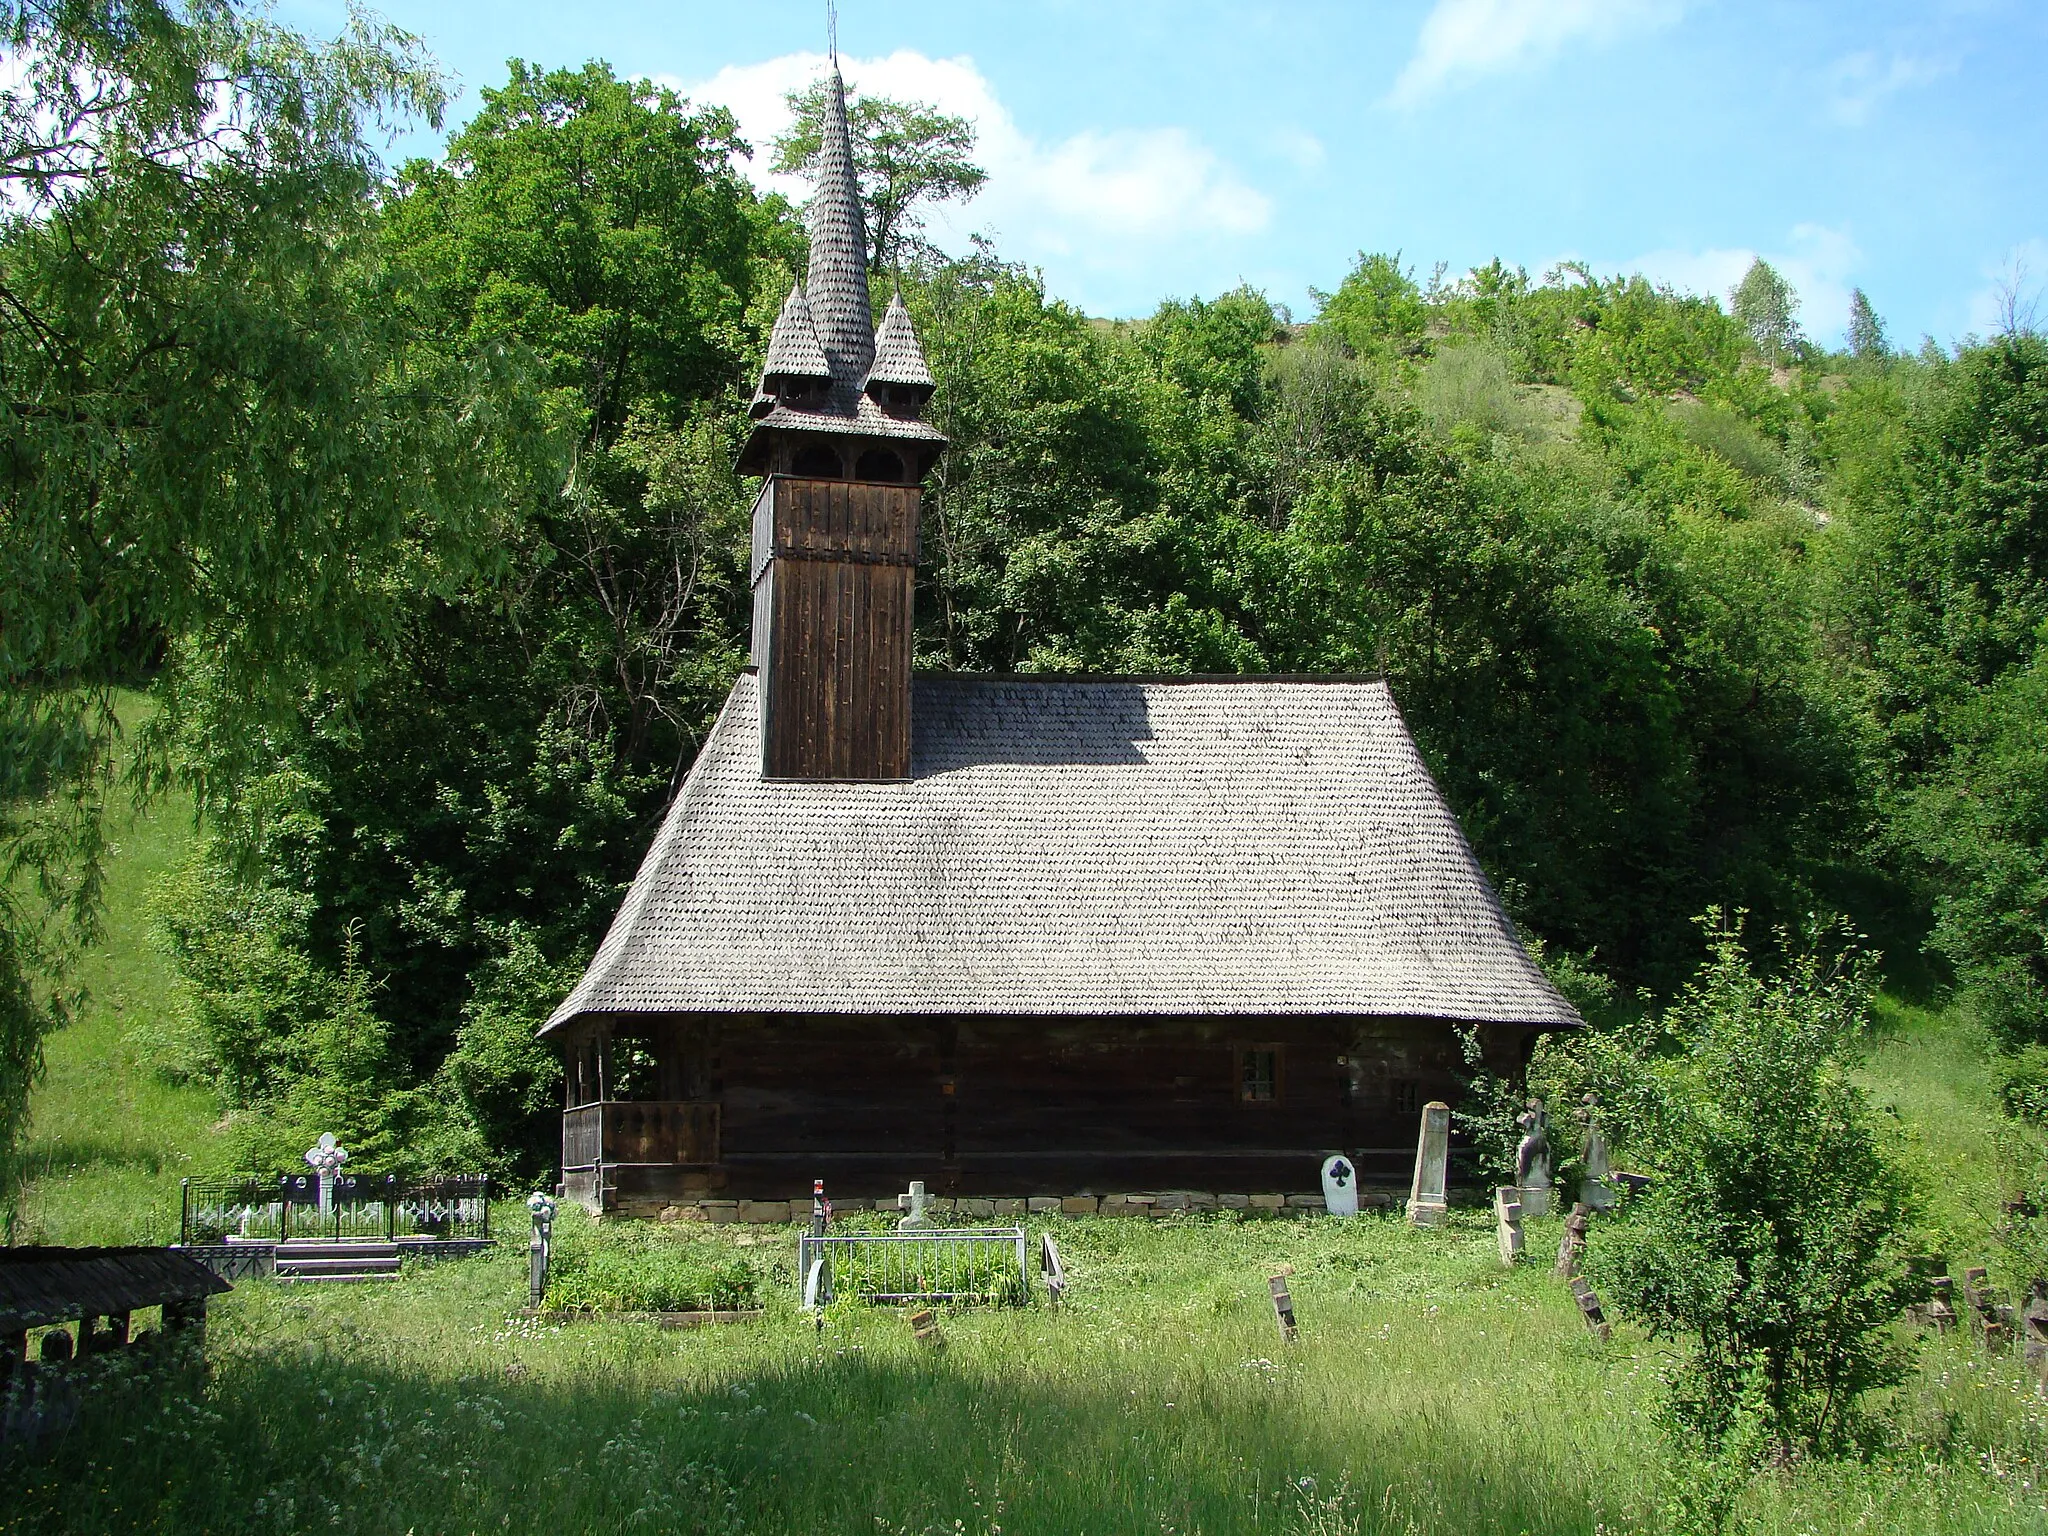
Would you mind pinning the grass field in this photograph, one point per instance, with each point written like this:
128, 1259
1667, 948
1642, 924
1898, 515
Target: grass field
1431, 1390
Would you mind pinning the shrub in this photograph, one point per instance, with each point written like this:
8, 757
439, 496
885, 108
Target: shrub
1772, 1239
644, 1271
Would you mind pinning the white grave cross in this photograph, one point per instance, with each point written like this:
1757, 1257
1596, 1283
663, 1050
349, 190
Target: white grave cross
325, 1158
914, 1202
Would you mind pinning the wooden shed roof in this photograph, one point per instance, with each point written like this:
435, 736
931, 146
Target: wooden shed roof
1244, 846
42, 1286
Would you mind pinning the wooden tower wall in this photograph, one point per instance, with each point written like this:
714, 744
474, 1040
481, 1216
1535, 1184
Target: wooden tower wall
834, 572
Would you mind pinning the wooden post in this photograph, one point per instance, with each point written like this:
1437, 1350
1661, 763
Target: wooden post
1283, 1305
2036, 1325
1574, 1243
1590, 1309
924, 1327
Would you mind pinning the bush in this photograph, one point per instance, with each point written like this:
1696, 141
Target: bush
1773, 1238
644, 1270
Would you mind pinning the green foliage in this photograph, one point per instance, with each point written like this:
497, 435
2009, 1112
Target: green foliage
644, 1268
1867, 340
1946, 594
1377, 310
1767, 308
473, 808
233, 452
1773, 1239
904, 153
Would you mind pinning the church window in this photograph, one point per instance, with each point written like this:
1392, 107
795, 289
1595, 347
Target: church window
1407, 1097
1258, 1074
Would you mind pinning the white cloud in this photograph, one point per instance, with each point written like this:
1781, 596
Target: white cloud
1112, 197
1466, 39
1857, 83
1816, 260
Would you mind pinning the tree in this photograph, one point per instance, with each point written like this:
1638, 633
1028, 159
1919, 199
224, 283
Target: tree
1766, 306
1772, 1241
1377, 310
1867, 342
462, 826
217, 446
905, 153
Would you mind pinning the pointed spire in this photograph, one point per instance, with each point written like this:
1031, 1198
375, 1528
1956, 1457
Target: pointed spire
793, 350
898, 357
837, 286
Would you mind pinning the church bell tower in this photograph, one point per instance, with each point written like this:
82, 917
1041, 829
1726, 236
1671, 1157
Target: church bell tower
839, 438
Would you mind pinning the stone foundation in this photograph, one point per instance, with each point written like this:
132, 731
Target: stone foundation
1146, 1203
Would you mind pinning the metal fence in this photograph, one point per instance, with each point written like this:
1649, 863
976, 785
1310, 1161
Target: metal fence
963, 1264
360, 1206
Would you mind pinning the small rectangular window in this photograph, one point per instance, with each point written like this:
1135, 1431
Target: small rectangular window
1407, 1097
1258, 1074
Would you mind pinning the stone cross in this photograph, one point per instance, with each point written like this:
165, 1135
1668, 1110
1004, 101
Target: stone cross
325, 1159
1595, 1190
1340, 1186
1428, 1195
914, 1203
541, 1208
1591, 1310
1533, 1159
1574, 1242
1507, 1217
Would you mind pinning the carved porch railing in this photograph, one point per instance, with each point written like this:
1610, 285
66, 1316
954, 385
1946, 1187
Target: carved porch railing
654, 1131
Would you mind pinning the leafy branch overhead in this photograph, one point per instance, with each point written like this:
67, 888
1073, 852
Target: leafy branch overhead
906, 154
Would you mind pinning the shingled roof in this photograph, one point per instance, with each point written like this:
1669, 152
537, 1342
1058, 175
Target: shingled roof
1190, 846
898, 357
837, 282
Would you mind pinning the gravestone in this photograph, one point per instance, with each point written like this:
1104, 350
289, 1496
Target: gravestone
817, 1284
1428, 1194
1941, 1309
1340, 1186
1590, 1309
915, 1203
1507, 1220
2035, 1322
1534, 1161
1596, 1189
1974, 1296
1283, 1304
924, 1326
1573, 1247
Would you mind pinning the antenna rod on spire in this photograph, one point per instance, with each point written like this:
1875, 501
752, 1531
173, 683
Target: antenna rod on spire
832, 31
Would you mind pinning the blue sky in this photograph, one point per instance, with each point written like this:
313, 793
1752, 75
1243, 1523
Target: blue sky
1142, 149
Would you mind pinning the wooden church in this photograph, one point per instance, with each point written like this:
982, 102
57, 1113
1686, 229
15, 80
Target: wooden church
1011, 935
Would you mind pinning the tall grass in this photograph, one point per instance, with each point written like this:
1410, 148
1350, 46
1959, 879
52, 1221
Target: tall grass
1430, 1391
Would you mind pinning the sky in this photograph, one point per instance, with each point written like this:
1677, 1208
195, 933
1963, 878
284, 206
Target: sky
1150, 149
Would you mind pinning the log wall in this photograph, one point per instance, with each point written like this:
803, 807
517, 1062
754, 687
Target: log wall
1004, 1106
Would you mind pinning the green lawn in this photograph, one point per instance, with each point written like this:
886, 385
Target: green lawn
1430, 1391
